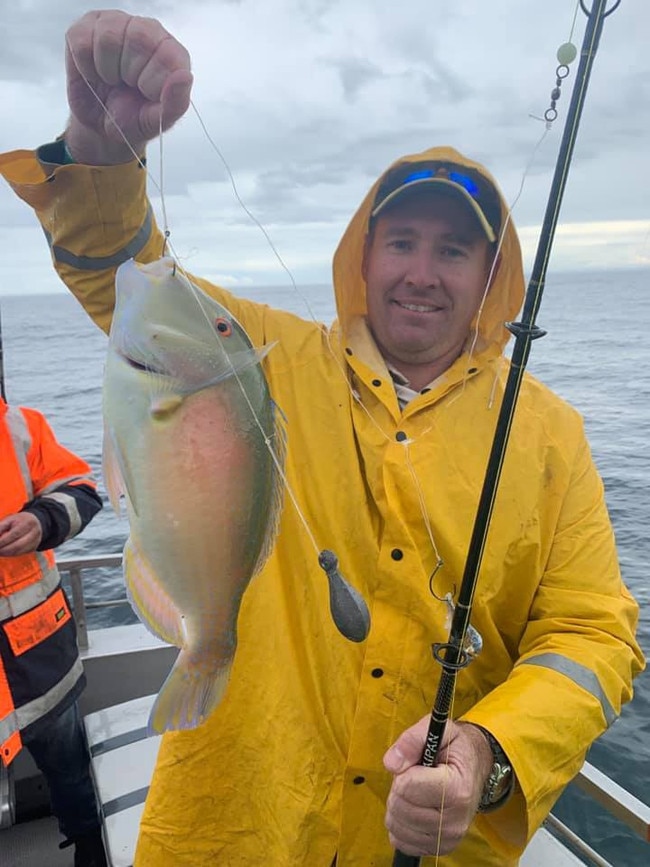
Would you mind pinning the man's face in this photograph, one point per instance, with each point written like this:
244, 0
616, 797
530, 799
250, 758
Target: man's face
426, 266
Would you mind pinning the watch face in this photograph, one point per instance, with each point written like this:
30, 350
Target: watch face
497, 787
499, 784
502, 775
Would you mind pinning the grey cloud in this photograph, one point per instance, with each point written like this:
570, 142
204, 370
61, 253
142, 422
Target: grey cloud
355, 73
446, 84
455, 75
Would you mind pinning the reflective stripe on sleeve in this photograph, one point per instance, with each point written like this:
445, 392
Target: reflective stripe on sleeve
22, 442
28, 713
100, 263
22, 600
70, 505
579, 674
67, 480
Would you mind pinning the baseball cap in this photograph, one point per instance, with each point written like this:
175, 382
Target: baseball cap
468, 185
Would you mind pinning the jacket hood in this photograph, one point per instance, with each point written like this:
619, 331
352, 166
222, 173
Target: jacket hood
506, 294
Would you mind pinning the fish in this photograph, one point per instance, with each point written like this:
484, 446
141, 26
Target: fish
195, 445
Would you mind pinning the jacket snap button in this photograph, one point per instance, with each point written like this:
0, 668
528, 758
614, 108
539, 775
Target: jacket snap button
396, 554
400, 436
358, 780
377, 672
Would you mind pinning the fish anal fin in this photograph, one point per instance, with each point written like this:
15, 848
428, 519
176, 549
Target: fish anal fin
148, 597
189, 695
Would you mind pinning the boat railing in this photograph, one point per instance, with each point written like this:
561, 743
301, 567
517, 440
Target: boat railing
601, 788
74, 567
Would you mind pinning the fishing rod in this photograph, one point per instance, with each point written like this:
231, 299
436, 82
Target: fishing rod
451, 655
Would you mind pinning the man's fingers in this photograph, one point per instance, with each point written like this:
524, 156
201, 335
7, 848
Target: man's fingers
114, 48
21, 534
414, 831
166, 61
140, 82
79, 48
151, 55
108, 45
400, 812
176, 97
420, 787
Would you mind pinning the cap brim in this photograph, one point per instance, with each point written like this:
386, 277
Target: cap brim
450, 185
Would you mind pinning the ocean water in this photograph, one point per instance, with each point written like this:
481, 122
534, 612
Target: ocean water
596, 354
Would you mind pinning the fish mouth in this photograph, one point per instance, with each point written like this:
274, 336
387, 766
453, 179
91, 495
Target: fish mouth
144, 367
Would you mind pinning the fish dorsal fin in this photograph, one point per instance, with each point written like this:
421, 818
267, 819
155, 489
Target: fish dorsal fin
111, 473
116, 473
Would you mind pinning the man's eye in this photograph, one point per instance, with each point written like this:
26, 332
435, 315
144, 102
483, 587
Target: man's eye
400, 244
453, 252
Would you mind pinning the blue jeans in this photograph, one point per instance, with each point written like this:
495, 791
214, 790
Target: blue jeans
61, 754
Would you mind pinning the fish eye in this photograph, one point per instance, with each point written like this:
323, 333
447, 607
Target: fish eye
223, 326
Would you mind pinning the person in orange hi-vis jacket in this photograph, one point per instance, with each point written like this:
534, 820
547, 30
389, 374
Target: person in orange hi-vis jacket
47, 496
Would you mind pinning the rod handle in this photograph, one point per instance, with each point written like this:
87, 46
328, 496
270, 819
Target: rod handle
402, 860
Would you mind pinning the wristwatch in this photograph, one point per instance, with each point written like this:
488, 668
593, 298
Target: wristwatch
500, 783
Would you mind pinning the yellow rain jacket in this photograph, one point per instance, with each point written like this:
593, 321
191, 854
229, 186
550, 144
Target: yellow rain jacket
288, 770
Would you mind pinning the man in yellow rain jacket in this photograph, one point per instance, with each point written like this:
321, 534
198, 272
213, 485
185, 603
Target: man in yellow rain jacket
390, 413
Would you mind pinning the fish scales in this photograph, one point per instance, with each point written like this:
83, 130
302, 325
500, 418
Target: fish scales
187, 417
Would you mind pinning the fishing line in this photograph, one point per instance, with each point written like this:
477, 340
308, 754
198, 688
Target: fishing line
573, 23
495, 260
163, 205
194, 291
342, 369
565, 54
159, 186
347, 607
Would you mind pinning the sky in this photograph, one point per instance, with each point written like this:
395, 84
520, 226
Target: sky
309, 100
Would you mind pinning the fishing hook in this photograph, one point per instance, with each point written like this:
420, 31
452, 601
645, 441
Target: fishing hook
440, 563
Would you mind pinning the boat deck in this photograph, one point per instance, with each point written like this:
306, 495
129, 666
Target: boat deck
34, 844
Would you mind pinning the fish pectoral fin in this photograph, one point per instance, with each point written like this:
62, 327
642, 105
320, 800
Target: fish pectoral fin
189, 695
149, 599
262, 351
165, 405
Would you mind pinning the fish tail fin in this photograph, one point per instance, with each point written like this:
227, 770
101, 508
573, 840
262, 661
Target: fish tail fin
188, 696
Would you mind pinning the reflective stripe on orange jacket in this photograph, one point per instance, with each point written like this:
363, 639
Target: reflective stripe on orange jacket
40, 669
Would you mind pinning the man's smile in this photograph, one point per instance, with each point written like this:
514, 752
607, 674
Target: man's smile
418, 308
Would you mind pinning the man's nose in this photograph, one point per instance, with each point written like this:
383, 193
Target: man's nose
423, 270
